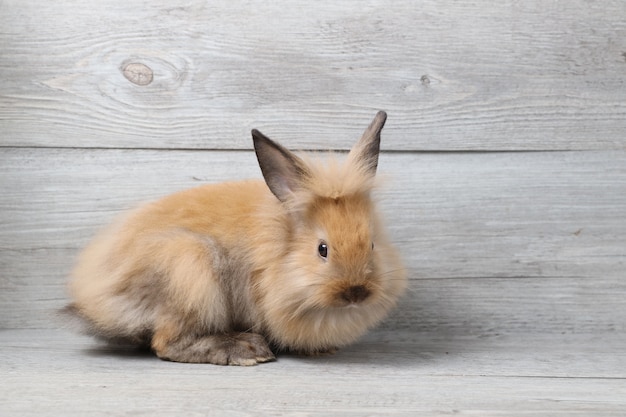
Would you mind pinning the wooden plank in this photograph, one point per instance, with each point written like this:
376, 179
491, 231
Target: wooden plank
436, 353
527, 214
453, 76
505, 242
33, 289
47, 373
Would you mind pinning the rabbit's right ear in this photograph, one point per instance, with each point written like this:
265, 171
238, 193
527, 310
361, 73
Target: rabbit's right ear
365, 151
283, 171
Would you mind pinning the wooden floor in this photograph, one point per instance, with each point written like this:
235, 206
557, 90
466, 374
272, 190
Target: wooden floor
389, 373
504, 157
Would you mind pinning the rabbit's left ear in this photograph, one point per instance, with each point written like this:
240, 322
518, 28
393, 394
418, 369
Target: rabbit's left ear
365, 151
283, 171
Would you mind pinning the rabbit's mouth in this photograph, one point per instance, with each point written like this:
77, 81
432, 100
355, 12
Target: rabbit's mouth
351, 306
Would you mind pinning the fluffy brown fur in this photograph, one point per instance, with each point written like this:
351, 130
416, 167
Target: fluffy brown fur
220, 273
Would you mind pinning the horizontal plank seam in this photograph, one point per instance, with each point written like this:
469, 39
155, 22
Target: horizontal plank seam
572, 377
516, 277
386, 151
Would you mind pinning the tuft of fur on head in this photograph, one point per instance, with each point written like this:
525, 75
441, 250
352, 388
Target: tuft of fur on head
327, 176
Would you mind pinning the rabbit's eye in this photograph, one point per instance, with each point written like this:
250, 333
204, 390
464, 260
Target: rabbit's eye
322, 249
372, 245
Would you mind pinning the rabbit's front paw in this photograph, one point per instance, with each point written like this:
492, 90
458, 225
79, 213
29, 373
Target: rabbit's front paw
244, 349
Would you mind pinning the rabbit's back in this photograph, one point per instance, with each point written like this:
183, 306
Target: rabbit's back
171, 255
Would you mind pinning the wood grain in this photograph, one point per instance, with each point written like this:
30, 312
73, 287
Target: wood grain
485, 236
50, 372
517, 259
453, 76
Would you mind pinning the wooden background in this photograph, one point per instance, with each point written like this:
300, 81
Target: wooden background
505, 158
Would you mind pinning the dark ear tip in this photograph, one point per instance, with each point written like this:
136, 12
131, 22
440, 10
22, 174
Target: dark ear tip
259, 138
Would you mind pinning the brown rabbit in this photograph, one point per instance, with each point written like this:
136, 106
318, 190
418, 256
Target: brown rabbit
220, 273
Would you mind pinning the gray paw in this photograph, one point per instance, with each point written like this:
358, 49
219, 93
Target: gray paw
243, 349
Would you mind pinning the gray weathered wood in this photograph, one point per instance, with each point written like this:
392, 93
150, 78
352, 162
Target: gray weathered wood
452, 75
507, 242
47, 373
516, 259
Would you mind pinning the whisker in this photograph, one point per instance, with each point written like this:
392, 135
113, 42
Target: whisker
391, 271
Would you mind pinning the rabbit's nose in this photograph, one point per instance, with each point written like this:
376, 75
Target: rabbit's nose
355, 294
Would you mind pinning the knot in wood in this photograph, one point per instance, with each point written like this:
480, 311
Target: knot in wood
138, 73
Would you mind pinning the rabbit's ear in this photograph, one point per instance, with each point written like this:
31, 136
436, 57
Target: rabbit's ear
365, 151
283, 171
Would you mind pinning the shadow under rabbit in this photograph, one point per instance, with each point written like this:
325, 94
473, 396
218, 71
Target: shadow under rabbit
121, 350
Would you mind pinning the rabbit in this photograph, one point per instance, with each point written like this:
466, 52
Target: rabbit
234, 273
